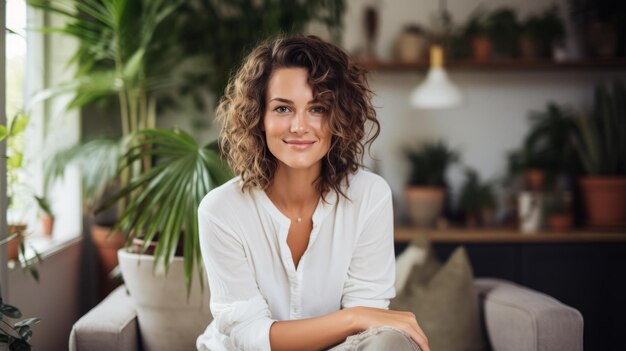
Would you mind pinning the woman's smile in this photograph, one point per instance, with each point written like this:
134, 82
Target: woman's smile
299, 144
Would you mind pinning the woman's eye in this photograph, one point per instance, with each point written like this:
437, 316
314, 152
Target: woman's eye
318, 110
281, 109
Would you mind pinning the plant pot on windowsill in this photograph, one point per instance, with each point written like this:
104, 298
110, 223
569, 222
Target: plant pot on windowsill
107, 244
47, 224
13, 246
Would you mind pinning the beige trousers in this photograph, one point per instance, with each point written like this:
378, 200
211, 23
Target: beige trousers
378, 339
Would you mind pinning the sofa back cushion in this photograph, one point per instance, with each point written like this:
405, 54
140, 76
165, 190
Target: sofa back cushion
442, 297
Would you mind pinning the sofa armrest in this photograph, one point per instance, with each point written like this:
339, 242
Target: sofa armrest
111, 325
518, 318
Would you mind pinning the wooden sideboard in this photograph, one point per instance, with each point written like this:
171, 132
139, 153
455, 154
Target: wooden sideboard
584, 269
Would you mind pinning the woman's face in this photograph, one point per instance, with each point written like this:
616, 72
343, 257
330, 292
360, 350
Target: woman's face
295, 125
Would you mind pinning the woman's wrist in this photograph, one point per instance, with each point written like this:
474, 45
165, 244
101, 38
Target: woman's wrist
350, 316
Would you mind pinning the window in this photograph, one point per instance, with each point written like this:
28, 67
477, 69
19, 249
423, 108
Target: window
34, 62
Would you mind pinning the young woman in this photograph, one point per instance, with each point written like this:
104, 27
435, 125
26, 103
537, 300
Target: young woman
298, 248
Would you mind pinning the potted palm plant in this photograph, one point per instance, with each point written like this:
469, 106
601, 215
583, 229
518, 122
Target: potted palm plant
126, 52
601, 144
426, 188
163, 210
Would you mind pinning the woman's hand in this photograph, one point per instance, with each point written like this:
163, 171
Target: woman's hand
363, 318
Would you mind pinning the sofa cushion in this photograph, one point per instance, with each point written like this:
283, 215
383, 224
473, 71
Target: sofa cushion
443, 298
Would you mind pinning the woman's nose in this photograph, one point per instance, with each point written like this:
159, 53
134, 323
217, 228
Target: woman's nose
299, 124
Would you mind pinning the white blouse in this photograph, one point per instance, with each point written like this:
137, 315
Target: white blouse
348, 262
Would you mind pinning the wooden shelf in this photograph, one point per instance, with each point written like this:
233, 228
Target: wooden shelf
488, 235
499, 65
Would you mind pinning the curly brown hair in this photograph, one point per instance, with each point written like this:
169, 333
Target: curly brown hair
336, 81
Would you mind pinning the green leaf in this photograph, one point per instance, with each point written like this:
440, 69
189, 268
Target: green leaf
27, 322
10, 311
20, 121
3, 132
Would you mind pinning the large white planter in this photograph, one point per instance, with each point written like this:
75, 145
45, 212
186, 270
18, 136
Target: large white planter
168, 320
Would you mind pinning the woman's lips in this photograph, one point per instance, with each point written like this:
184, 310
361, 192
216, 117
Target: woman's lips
299, 144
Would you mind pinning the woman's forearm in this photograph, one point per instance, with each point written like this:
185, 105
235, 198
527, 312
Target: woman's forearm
312, 333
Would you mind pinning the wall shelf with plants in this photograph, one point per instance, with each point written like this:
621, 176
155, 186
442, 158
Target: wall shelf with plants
500, 65
501, 39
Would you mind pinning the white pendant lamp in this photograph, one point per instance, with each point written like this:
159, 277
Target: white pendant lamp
437, 91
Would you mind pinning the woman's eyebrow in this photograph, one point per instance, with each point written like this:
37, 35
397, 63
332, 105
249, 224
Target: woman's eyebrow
287, 101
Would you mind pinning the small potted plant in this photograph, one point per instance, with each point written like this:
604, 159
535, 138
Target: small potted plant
46, 217
504, 31
547, 151
600, 141
476, 31
427, 184
557, 211
477, 201
541, 34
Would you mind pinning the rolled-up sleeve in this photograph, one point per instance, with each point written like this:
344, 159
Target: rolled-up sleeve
371, 274
239, 310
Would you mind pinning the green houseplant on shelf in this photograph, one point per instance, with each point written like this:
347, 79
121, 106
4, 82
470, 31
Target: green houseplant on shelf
547, 152
601, 144
426, 189
476, 33
504, 31
541, 33
477, 201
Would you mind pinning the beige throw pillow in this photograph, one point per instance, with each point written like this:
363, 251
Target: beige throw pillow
443, 299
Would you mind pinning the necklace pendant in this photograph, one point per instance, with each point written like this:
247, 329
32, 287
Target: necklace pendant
299, 219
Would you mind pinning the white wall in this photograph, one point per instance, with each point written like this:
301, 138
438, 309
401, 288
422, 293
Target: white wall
493, 119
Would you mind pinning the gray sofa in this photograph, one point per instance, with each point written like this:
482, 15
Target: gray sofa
513, 318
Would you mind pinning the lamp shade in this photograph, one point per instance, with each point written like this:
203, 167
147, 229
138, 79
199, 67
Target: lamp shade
437, 91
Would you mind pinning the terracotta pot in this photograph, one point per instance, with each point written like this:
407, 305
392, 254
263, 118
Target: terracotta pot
560, 222
424, 204
13, 246
534, 179
601, 39
106, 248
528, 48
481, 48
47, 224
604, 200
